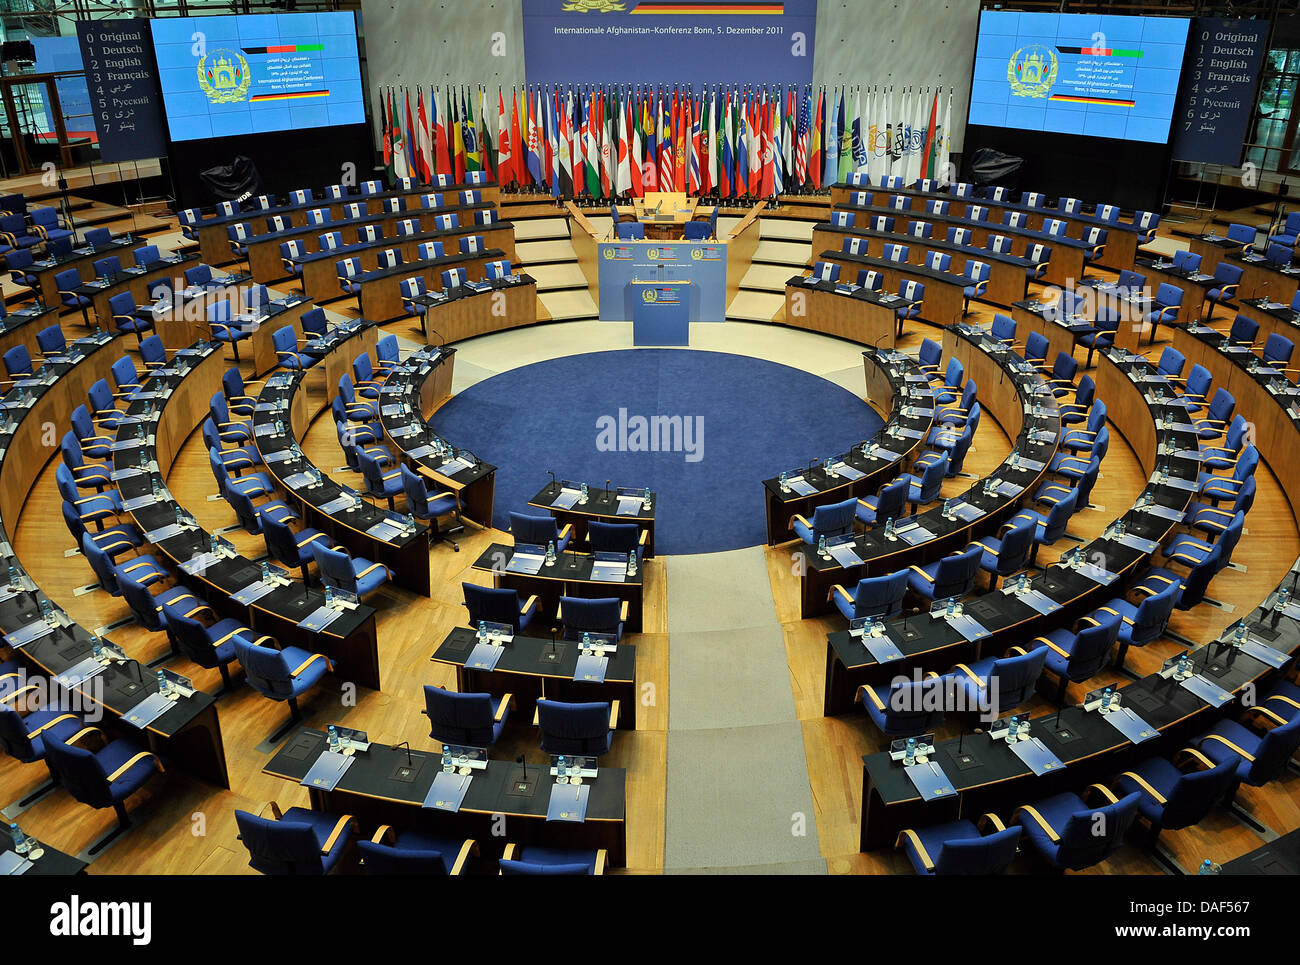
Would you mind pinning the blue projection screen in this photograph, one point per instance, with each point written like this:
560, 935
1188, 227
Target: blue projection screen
1078, 73
250, 74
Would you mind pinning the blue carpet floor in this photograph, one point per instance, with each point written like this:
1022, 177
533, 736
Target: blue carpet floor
742, 420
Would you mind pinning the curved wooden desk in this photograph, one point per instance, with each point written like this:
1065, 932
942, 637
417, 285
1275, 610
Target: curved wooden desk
187, 737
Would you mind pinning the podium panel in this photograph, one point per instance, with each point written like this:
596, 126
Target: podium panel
702, 264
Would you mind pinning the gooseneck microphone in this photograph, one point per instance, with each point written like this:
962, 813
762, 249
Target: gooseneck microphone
407, 746
555, 486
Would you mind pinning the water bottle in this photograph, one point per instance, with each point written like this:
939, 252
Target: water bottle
47, 611
164, 685
482, 631
583, 498
909, 755
144, 458
784, 481
990, 485
97, 647
1242, 634
279, 427
410, 522
1282, 596
180, 515
889, 529
156, 487
266, 569
20, 839
586, 640
13, 576
329, 595
1208, 867
1105, 700
215, 549
631, 562
332, 737
821, 547
952, 605
561, 770
829, 464
947, 509
1164, 473
315, 472
1184, 665
550, 552
447, 767
645, 500
1013, 730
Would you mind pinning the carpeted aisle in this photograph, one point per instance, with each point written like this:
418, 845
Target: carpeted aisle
732, 421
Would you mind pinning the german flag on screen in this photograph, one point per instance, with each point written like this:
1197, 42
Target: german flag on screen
1101, 101
292, 95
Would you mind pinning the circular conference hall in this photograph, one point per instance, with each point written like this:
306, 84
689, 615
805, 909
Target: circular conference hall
629, 438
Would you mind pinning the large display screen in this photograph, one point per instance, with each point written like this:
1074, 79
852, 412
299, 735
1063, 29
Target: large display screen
228, 75
1078, 73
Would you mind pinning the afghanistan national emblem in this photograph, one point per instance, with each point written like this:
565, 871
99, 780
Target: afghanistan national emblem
593, 6
609, 254
1031, 71
697, 254
224, 77
649, 295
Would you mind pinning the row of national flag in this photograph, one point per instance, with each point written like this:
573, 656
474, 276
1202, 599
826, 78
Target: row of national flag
621, 141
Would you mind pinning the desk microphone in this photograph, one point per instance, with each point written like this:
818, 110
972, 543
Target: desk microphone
555, 486
434, 331
407, 745
607, 489
522, 760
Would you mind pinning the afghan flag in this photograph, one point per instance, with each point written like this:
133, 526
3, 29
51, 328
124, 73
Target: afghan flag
387, 127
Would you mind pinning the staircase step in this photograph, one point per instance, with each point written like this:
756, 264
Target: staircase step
789, 253
569, 305
766, 278
753, 306
541, 252
541, 229
558, 276
786, 229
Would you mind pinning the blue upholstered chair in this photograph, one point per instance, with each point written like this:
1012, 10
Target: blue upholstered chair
889, 503
210, 641
947, 577
621, 538
874, 596
1002, 683
414, 853
498, 605
576, 729
465, 720
1174, 797
101, 778
1142, 622
427, 504
293, 549
1008, 552
282, 675
352, 574
1067, 833
961, 847
537, 860
540, 530
1257, 757
298, 842
1077, 655
285, 342
579, 615
833, 519
908, 707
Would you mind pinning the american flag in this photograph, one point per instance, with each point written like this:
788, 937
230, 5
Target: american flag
801, 141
